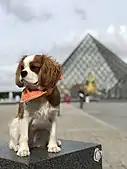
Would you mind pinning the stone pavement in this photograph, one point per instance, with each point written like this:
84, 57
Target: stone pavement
77, 125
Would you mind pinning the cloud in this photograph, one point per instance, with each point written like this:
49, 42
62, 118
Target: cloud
26, 10
81, 13
111, 29
117, 40
30, 26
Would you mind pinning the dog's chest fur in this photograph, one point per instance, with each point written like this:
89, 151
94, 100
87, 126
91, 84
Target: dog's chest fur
41, 112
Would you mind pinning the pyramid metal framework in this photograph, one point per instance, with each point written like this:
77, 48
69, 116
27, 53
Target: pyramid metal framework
119, 91
90, 54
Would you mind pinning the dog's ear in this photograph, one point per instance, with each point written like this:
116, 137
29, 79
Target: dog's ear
50, 72
18, 81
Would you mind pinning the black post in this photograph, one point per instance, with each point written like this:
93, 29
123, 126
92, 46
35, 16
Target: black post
81, 103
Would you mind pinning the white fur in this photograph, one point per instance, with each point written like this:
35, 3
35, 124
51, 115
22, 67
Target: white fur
31, 76
39, 109
14, 134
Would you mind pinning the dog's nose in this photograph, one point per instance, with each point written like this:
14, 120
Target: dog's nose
23, 73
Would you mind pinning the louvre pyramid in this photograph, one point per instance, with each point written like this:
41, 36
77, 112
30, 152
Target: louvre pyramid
119, 91
90, 54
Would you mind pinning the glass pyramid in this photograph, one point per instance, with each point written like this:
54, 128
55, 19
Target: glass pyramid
119, 91
91, 55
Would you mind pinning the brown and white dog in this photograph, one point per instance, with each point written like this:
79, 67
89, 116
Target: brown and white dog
36, 72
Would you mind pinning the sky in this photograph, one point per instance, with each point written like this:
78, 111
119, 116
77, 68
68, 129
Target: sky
55, 27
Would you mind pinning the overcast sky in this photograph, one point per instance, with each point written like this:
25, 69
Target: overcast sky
56, 27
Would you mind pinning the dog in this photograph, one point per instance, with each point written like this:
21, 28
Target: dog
35, 73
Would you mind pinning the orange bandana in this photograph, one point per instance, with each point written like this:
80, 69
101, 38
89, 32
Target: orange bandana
28, 95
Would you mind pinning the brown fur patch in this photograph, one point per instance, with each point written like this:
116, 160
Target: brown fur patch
18, 71
36, 64
20, 111
54, 98
50, 72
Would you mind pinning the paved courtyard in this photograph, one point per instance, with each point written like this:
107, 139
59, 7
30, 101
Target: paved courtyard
114, 113
83, 125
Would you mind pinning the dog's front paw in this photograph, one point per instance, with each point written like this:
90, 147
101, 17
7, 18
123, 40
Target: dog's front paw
23, 151
53, 148
12, 146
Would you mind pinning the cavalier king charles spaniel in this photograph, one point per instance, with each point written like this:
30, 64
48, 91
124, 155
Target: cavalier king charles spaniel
35, 121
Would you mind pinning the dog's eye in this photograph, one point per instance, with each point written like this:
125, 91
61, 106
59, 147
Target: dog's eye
34, 68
